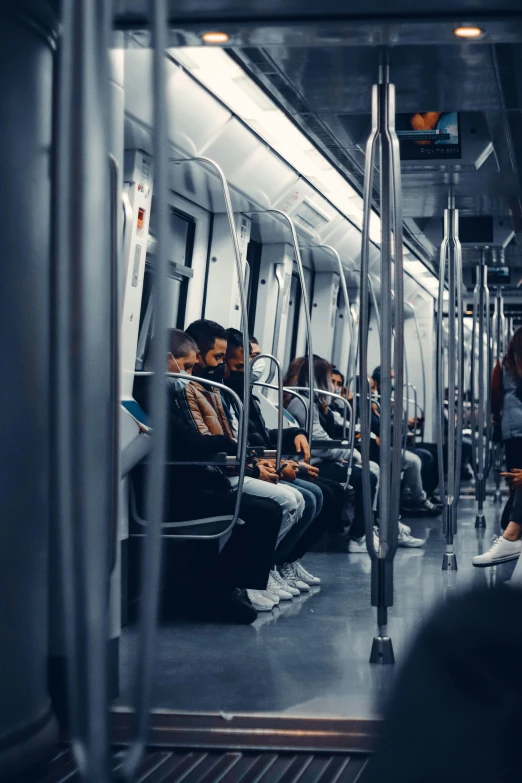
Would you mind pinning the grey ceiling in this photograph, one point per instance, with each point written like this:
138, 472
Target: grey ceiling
328, 91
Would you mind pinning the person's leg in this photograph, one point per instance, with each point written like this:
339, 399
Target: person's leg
509, 545
513, 452
429, 472
412, 490
287, 544
318, 527
281, 494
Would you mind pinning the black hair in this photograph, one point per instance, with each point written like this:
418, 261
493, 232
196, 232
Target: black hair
376, 375
253, 339
335, 371
180, 344
235, 341
205, 333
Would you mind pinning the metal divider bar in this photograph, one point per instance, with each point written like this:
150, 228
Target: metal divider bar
235, 517
304, 300
383, 127
155, 482
350, 369
423, 365
280, 403
347, 409
84, 383
480, 397
450, 259
498, 343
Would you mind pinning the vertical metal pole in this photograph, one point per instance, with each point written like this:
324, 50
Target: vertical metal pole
480, 334
85, 381
451, 259
391, 317
498, 353
306, 310
155, 489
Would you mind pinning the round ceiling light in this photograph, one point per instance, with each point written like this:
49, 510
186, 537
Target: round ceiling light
214, 37
468, 32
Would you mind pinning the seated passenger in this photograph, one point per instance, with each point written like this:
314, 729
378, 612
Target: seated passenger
313, 524
509, 545
219, 582
332, 462
414, 500
205, 408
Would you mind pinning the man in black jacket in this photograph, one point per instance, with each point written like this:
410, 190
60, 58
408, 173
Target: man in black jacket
199, 491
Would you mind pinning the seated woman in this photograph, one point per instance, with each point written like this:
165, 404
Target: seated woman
332, 462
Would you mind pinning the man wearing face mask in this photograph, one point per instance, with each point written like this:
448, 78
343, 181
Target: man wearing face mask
207, 412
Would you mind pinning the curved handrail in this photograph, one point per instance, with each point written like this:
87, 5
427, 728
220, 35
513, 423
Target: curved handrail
304, 296
350, 369
274, 360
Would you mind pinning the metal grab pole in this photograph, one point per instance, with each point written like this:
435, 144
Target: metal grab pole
497, 450
423, 366
392, 315
450, 259
85, 386
306, 305
350, 368
480, 402
280, 402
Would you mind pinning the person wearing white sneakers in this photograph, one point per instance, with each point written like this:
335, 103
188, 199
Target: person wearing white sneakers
508, 546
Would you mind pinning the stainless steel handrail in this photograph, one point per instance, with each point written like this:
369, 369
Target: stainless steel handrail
155, 481
287, 390
279, 275
383, 128
234, 518
450, 259
497, 450
350, 368
84, 388
347, 409
115, 351
304, 298
280, 402
480, 395
423, 364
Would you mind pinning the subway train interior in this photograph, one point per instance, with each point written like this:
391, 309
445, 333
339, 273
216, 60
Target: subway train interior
210, 572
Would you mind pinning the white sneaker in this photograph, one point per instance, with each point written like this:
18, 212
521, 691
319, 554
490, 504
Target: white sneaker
404, 528
358, 545
274, 587
304, 575
291, 578
285, 585
271, 596
259, 601
501, 551
406, 540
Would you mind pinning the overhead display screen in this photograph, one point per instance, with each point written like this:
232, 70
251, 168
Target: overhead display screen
432, 135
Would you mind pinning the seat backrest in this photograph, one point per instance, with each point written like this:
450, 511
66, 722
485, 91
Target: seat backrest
134, 443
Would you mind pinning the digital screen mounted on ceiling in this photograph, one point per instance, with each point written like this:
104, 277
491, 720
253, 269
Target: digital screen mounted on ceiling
431, 135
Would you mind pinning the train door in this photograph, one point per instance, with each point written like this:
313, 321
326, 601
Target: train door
182, 231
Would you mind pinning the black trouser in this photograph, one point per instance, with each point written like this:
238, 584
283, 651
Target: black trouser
248, 555
427, 452
336, 471
513, 451
333, 498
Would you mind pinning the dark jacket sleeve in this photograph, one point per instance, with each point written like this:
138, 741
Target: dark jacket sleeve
289, 435
185, 440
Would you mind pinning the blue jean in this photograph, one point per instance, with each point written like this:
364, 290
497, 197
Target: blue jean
313, 499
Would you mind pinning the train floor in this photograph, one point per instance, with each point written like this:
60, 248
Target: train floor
310, 657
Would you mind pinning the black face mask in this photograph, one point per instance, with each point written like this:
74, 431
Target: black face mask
213, 373
236, 381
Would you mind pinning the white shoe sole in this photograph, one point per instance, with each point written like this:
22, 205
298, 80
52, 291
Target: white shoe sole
262, 608
498, 560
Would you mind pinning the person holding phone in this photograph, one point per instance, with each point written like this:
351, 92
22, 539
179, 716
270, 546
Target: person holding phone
506, 396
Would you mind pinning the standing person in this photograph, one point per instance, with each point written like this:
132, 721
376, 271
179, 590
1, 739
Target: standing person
507, 407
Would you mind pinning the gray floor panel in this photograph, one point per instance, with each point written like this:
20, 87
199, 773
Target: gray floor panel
310, 657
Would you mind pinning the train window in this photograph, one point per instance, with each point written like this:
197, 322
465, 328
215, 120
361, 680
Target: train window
294, 312
182, 230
